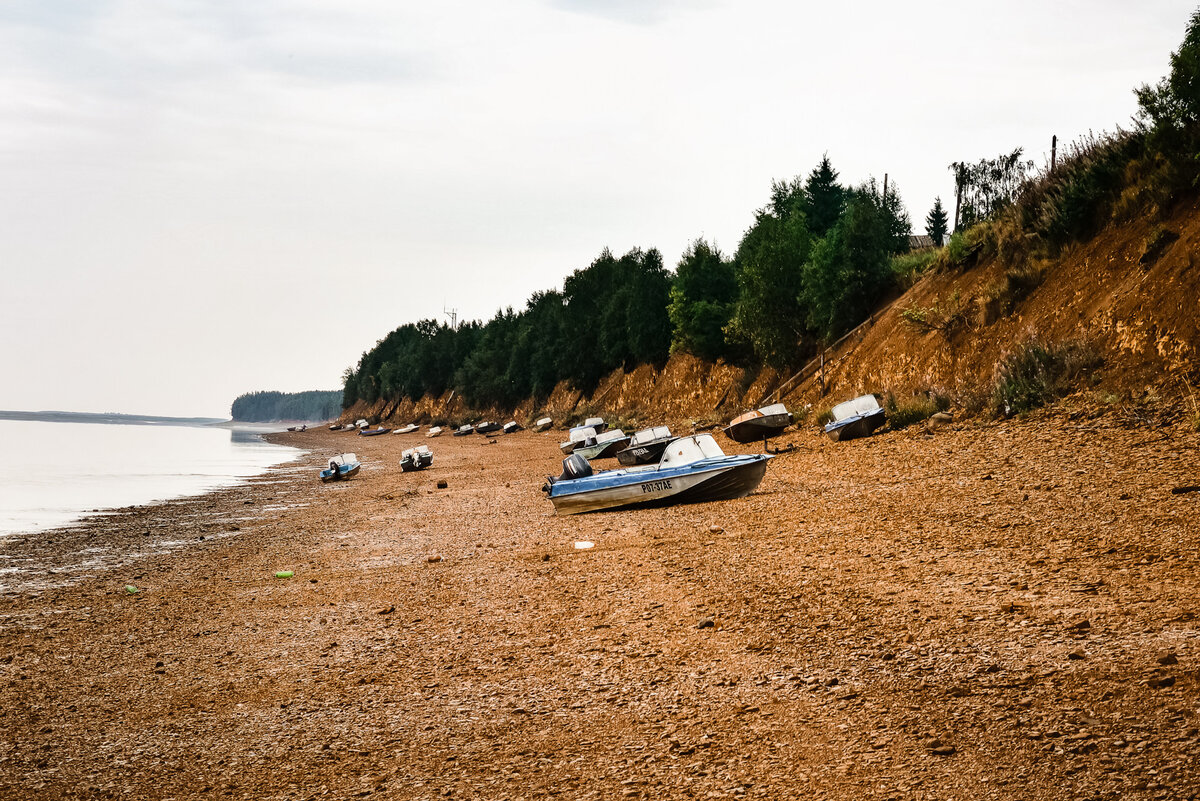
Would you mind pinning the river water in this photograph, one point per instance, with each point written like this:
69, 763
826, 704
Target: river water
56, 473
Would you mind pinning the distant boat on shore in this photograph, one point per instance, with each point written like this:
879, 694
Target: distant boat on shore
341, 467
855, 418
462, 431
603, 445
374, 432
487, 427
408, 429
646, 446
576, 437
436, 431
761, 424
512, 427
417, 458
542, 424
692, 469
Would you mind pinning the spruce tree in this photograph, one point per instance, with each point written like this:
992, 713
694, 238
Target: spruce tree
937, 223
826, 198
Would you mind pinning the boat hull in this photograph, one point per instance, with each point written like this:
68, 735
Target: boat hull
757, 429
855, 427
374, 432
714, 480
327, 474
602, 450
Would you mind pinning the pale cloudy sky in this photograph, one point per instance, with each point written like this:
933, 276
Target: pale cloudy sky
204, 198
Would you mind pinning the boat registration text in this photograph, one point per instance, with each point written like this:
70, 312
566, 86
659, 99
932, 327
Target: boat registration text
656, 486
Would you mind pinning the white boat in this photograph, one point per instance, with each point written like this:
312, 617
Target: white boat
436, 431
512, 427
596, 423
603, 445
575, 438
692, 469
417, 458
543, 424
362, 424
408, 429
855, 418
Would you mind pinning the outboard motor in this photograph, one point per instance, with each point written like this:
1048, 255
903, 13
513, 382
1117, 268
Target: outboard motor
574, 466
337, 474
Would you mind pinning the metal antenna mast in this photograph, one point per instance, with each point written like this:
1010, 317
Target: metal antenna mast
453, 315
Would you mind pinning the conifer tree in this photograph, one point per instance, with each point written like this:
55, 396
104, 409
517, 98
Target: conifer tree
826, 198
937, 223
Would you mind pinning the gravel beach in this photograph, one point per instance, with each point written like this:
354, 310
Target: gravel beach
1007, 610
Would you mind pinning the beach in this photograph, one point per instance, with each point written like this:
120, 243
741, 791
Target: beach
999, 610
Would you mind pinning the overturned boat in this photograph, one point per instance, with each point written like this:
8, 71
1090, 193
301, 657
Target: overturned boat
543, 424
646, 446
692, 469
436, 431
603, 446
855, 418
760, 424
341, 467
408, 429
417, 458
576, 437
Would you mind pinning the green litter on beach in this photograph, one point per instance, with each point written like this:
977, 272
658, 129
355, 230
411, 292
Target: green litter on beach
284, 574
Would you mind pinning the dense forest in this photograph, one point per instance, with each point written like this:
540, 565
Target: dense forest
817, 260
266, 407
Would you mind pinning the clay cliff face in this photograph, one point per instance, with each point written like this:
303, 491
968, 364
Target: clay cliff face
1141, 316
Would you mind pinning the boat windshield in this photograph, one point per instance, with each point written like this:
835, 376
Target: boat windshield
650, 435
686, 450
773, 409
864, 404
347, 458
594, 422
580, 433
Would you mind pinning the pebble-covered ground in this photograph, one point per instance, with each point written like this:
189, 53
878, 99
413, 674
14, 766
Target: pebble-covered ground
987, 611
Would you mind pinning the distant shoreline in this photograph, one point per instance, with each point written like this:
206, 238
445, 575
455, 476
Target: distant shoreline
109, 418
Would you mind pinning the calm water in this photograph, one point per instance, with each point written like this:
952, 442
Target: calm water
52, 474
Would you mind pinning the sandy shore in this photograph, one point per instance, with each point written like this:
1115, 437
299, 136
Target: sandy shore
1000, 611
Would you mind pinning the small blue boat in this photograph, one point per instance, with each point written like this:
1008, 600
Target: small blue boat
692, 469
341, 467
855, 418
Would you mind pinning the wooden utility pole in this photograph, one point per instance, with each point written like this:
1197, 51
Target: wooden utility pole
885, 189
1053, 151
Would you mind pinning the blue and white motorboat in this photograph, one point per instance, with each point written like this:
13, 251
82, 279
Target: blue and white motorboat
341, 467
691, 469
855, 418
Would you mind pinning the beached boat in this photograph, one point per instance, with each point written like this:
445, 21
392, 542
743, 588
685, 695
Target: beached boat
543, 424
645, 446
341, 467
575, 438
596, 423
335, 426
487, 427
462, 431
855, 418
417, 458
408, 429
436, 431
512, 427
361, 423
603, 445
373, 432
692, 469
760, 424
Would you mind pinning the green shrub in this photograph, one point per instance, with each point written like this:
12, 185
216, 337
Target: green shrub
825, 415
907, 268
902, 414
1038, 373
941, 316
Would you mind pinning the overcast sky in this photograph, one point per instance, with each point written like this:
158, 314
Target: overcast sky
205, 198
